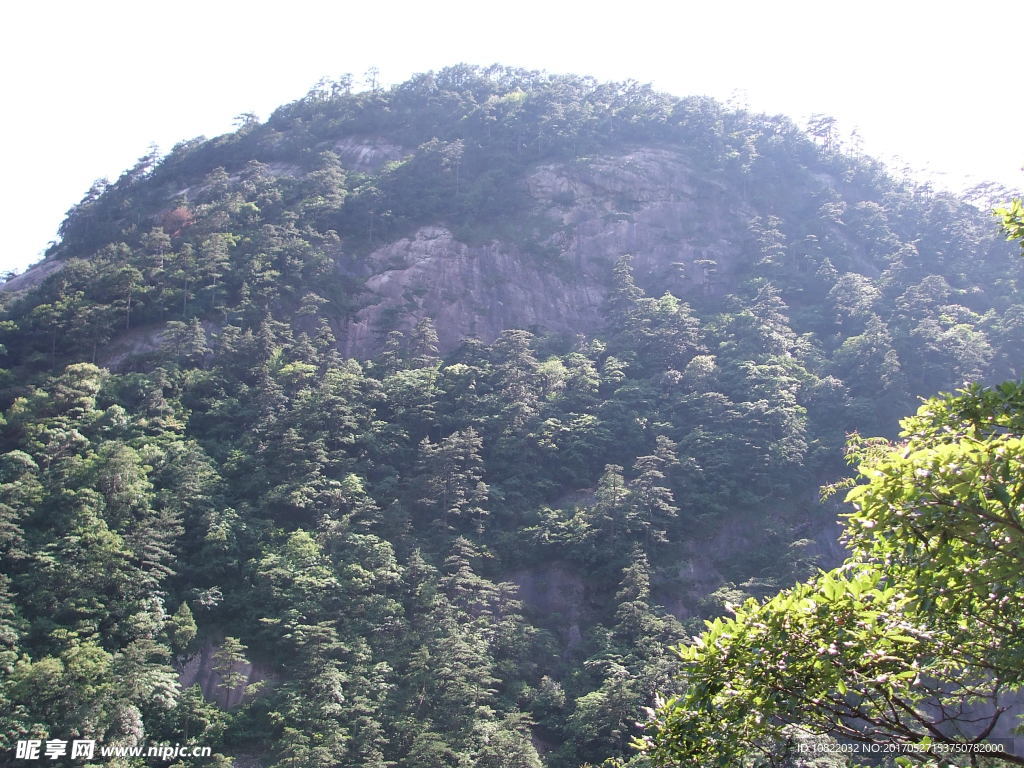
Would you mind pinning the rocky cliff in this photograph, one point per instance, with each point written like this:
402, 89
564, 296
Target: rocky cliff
681, 230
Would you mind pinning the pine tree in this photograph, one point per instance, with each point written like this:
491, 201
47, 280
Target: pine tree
451, 480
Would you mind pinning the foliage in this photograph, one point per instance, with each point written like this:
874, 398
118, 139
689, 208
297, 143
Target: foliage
915, 640
464, 553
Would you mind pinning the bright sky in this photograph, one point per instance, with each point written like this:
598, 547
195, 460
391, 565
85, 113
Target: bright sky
87, 86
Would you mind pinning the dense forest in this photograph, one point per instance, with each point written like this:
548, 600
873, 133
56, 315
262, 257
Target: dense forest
248, 503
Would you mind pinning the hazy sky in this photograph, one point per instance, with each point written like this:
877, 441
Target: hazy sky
87, 86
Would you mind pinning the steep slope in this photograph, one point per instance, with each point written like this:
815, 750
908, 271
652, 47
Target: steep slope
418, 405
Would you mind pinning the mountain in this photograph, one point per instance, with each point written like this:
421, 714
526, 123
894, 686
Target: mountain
410, 427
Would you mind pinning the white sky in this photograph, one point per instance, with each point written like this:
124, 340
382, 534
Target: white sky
87, 86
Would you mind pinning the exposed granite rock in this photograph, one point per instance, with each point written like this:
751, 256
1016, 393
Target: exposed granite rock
469, 291
647, 203
129, 344
557, 596
200, 670
367, 154
33, 276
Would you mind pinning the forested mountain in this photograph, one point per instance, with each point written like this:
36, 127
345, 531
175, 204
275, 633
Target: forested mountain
411, 426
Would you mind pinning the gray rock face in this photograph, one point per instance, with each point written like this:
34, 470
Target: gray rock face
647, 203
557, 596
199, 670
469, 291
33, 276
366, 155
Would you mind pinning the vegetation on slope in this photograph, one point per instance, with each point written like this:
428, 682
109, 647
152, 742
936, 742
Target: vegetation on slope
354, 528
914, 642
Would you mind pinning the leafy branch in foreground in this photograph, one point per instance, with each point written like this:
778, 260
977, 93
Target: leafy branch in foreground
917, 638
1013, 220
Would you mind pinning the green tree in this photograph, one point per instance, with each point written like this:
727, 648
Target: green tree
917, 639
423, 346
229, 661
451, 479
653, 504
889, 647
182, 629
